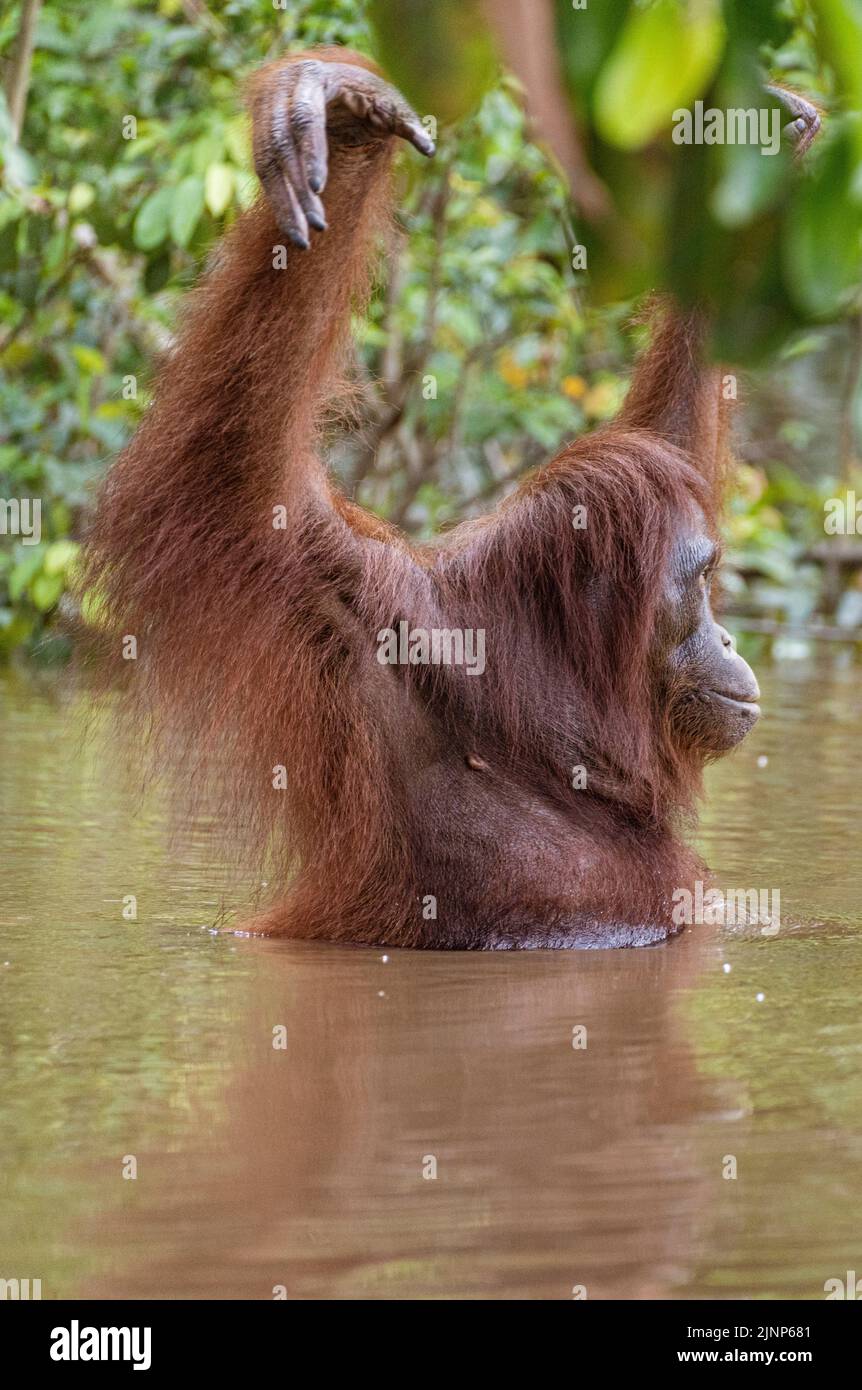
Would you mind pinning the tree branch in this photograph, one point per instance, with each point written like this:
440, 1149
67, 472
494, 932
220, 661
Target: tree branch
18, 75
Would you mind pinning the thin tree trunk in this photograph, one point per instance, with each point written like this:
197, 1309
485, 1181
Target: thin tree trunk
849, 456
18, 76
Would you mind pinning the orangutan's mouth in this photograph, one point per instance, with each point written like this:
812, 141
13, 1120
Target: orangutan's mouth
746, 706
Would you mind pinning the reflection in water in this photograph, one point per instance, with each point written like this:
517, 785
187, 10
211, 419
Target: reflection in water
556, 1166
542, 1151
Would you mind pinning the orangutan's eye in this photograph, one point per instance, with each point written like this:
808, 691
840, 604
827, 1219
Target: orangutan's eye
705, 578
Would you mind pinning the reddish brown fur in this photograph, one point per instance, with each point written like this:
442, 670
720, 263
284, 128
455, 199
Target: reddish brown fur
257, 646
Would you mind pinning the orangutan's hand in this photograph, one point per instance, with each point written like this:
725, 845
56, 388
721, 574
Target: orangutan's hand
299, 109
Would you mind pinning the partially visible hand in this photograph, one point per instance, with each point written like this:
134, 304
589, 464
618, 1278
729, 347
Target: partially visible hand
805, 126
298, 110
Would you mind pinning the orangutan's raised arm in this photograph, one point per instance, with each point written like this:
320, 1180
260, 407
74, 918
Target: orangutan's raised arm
217, 543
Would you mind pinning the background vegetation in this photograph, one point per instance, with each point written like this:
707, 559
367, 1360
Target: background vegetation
100, 235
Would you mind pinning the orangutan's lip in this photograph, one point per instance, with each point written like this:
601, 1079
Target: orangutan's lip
747, 706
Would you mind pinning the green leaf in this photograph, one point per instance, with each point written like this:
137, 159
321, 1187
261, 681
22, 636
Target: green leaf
822, 245
20, 169
236, 141
841, 29
81, 196
663, 59
89, 359
153, 219
840, 32
218, 186
456, 33
22, 574
46, 590
59, 556
187, 205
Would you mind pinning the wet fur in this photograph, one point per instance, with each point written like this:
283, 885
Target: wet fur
257, 646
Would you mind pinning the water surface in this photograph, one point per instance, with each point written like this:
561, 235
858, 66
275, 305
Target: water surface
303, 1167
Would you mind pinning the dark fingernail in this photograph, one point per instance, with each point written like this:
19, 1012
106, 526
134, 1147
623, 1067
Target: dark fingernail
316, 221
422, 141
299, 240
315, 183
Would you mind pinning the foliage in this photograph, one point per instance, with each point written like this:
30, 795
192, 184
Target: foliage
728, 221
480, 354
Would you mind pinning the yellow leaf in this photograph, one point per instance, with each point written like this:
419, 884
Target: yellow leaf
513, 374
574, 386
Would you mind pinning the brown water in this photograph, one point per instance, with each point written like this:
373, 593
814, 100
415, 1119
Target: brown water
303, 1167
